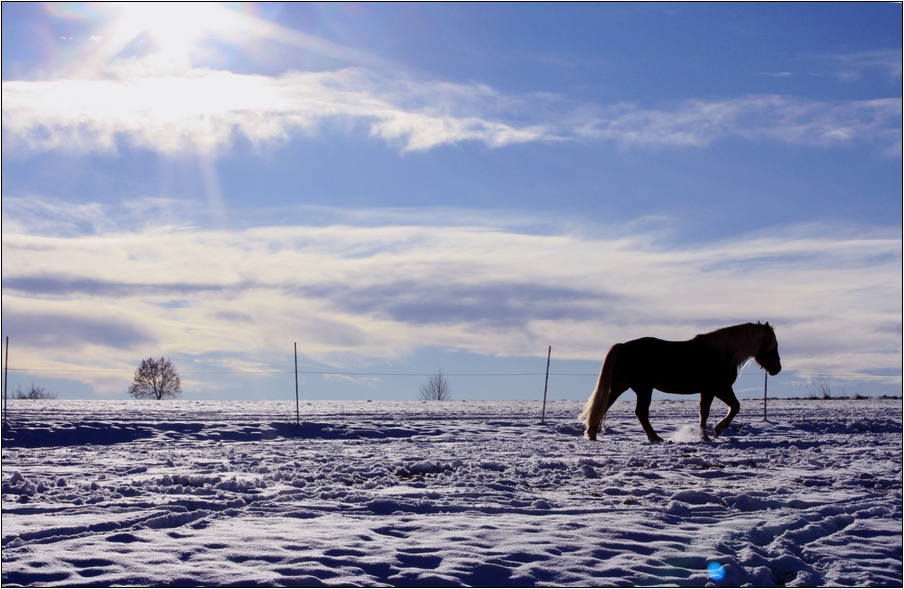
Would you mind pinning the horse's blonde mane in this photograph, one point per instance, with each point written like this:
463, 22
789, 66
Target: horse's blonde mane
739, 343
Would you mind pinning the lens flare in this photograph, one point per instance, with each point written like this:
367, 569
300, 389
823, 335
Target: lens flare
716, 571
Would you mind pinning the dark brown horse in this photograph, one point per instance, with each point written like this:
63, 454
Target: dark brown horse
707, 364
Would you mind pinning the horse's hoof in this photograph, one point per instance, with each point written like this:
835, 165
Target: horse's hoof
705, 438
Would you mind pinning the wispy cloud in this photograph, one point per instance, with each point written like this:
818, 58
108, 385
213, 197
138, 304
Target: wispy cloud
382, 292
757, 118
207, 111
851, 67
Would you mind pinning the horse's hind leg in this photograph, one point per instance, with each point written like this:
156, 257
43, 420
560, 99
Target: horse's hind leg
706, 400
642, 411
729, 398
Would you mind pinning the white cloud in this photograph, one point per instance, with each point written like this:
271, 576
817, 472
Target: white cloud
383, 292
763, 117
851, 67
206, 111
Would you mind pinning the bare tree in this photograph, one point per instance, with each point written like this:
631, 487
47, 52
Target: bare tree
436, 388
34, 392
156, 379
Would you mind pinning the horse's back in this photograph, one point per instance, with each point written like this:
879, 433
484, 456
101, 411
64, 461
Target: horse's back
674, 367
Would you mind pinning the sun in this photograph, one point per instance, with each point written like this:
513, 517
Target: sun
179, 35
175, 27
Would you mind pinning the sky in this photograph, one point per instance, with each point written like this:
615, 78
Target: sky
386, 190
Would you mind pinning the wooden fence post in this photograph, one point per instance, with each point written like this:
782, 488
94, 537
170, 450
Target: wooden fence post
5, 380
546, 385
297, 413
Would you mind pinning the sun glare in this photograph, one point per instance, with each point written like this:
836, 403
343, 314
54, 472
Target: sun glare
176, 28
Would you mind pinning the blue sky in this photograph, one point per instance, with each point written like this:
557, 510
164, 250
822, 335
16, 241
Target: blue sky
405, 187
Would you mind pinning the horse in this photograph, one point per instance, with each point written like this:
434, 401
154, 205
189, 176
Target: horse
708, 364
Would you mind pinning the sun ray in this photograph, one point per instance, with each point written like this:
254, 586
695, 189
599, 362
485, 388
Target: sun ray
173, 37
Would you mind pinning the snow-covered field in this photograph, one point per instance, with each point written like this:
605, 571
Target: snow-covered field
455, 493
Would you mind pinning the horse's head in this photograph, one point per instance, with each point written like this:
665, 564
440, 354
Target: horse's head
768, 356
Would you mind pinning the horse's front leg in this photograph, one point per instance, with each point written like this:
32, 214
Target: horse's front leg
642, 411
706, 400
729, 398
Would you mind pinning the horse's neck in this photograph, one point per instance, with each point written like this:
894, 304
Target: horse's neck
738, 343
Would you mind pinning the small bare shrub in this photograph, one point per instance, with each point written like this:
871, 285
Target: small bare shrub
34, 392
821, 388
436, 388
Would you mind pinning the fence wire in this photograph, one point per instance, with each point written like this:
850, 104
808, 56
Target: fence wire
419, 374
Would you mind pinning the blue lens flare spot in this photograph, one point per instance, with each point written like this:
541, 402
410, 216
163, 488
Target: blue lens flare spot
716, 571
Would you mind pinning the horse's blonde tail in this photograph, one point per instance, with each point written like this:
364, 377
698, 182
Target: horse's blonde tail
594, 413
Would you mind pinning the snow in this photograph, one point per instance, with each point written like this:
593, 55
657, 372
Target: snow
452, 493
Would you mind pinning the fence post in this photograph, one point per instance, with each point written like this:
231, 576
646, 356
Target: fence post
5, 380
546, 385
297, 413
765, 388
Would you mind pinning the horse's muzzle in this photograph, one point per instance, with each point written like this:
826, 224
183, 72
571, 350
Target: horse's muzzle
771, 361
